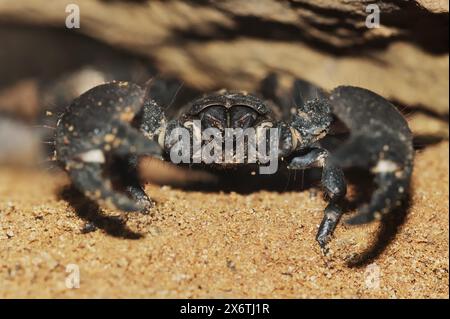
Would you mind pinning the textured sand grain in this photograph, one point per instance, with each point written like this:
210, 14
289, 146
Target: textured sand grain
219, 245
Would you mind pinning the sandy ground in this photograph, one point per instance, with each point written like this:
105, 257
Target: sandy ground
219, 245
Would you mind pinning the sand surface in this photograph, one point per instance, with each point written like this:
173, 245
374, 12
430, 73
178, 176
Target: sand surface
218, 245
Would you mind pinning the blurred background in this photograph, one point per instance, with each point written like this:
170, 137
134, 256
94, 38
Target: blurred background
210, 45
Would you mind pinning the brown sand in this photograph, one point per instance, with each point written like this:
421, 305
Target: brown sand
221, 245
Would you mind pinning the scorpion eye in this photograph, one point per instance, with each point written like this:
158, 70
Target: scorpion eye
214, 116
243, 117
